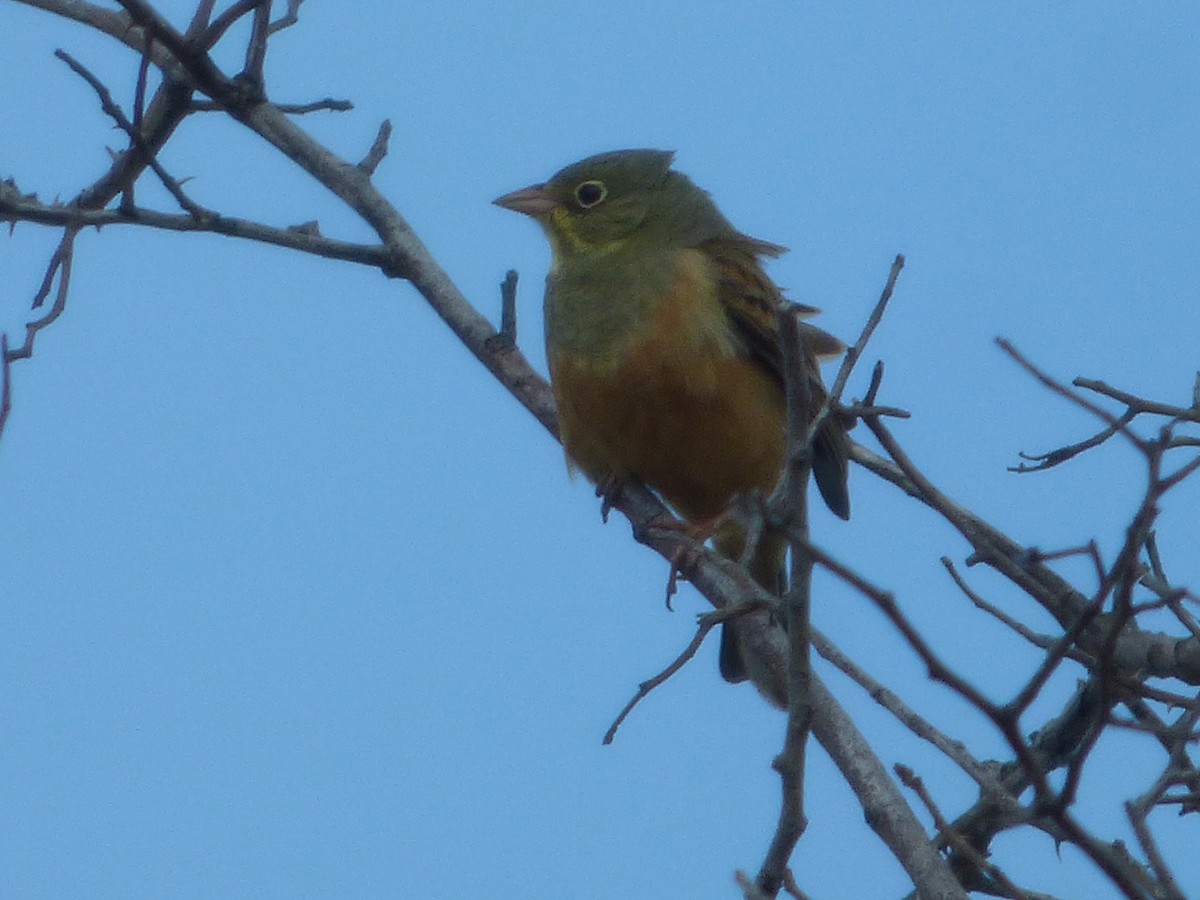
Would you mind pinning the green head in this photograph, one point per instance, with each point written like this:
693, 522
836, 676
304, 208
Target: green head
601, 203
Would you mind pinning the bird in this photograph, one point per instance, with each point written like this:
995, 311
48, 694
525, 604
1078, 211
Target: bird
663, 348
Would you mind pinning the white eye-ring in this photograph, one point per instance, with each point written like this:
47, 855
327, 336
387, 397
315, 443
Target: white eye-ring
590, 193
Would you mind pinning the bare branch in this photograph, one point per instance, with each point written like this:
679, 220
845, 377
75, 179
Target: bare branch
1179, 475
1157, 654
883, 807
292, 109
114, 24
1141, 405
305, 240
288, 19
256, 47
110, 107
790, 763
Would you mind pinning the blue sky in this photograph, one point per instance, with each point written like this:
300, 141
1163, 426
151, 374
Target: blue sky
296, 602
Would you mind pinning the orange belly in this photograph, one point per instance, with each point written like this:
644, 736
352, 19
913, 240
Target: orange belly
687, 416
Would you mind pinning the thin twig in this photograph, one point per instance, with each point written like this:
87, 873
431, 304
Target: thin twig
256, 48
214, 32
705, 624
953, 838
1063, 391
1142, 405
136, 139
1053, 458
201, 17
1170, 887
1040, 641
906, 715
60, 265
305, 240
292, 109
378, 149
862, 411
854, 353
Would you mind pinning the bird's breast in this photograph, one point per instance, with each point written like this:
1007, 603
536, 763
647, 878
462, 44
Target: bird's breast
668, 398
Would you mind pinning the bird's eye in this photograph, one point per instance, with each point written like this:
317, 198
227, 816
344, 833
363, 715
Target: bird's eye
590, 193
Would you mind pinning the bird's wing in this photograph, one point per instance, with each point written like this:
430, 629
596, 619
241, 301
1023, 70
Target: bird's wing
751, 301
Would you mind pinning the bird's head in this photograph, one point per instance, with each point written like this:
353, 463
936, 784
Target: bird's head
600, 203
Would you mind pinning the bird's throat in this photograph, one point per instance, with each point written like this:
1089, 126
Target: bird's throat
600, 309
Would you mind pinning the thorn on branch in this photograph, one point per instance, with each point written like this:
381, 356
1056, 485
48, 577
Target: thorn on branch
508, 308
311, 228
5, 381
876, 382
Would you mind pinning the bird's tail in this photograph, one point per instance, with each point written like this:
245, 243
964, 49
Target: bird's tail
830, 465
768, 568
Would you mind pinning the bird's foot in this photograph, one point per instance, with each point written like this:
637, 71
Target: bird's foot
699, 530
608, 489
683, 558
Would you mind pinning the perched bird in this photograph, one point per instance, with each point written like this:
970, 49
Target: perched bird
663, 347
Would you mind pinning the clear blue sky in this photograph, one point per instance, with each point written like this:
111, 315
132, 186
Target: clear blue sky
296, 602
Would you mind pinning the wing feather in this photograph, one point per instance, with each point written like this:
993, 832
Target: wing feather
752, 301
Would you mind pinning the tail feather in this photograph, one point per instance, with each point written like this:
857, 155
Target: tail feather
768, 566
830, 465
